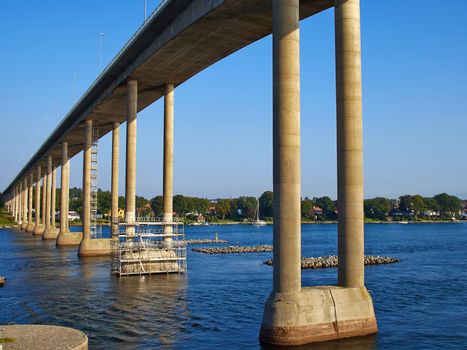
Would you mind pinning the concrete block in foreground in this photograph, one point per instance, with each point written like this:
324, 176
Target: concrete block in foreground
317, 314
40, 337
94, 247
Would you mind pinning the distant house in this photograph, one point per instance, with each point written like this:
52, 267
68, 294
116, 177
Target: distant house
73, 215
431, 213
317, 210
464, 213
200, 219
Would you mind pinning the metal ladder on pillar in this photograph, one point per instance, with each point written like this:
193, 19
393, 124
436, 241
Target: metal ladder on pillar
96, 231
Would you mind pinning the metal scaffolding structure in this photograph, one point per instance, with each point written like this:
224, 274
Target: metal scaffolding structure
156, 247
96, 230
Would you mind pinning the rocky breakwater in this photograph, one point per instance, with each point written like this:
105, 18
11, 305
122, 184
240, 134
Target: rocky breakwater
332, 261
234, 249
205, 241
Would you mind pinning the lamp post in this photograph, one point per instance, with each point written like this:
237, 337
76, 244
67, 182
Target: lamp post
101, 38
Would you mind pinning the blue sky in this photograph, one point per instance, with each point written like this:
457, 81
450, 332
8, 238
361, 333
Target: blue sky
414, 99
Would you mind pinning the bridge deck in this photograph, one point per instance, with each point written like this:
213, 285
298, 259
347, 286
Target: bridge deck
178, 41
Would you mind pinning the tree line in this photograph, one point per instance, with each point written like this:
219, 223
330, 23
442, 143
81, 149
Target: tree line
406, 207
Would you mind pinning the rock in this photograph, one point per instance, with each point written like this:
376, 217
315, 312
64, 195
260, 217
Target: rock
234, 249
205, 241
332, 261
2, 281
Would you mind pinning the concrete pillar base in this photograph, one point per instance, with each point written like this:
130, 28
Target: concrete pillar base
317, 314
50, 233
94, 247
30, 227
38, 230
24, 225
69, 239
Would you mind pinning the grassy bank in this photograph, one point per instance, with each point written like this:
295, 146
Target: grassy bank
5, 218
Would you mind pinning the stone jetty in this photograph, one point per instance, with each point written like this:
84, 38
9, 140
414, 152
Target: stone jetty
205, 241
234, 249
332, 261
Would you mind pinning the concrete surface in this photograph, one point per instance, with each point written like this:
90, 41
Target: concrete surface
41, 337
317, 314
94, 247
69, 239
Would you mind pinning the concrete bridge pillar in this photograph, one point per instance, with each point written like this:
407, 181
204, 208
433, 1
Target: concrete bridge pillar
24, 208
349, 144
18, 204
30, 226
130, 179
38, 227
15, 217
295, 315
50, 231
168, 158
115, 171
64, 192
44, 200
88, 246
20, 207
53, 199
65, 237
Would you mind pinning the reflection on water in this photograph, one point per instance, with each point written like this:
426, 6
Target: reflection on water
219, 303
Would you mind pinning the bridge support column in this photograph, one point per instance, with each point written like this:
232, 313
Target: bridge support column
30, 226
65, 237
24, 224
19, 209
15, 215
295, 315
38, 227
53, 200
50, 231
115, 171
168, 159
88, 246
44, 200
130, 175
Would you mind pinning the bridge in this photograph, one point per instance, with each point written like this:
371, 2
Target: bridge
179, 40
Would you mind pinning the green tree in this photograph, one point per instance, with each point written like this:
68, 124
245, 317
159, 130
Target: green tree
223, 207
265, 204
449, 205
415, 204
104, 201
431, 204
157, 205
248, 206
377, 208
201, 205
307, 208
76, 200
180, 204
327, 205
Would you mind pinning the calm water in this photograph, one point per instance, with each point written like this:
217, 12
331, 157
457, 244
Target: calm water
421, 303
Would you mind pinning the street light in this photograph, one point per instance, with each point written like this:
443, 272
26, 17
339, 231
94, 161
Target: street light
101, 38
145, 9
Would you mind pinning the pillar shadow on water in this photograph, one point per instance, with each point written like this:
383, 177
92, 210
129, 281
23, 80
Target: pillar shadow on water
357, 343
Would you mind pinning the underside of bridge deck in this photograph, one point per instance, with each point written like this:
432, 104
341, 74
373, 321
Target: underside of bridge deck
179, 41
